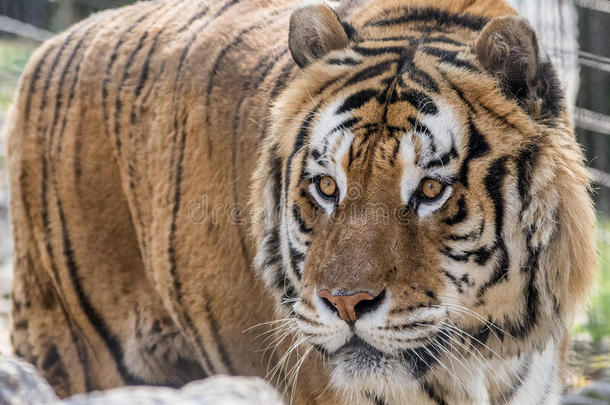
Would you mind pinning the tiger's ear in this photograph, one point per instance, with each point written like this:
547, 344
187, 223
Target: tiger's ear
315, 30
508, 49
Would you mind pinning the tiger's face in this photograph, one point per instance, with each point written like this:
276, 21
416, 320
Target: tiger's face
412, 204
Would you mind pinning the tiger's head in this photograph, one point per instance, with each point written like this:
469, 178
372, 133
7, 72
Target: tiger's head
422, 190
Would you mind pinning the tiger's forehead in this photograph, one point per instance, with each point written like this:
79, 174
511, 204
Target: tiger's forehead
395, 103
428, 145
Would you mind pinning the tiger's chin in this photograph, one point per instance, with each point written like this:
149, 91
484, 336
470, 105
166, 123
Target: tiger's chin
360, 368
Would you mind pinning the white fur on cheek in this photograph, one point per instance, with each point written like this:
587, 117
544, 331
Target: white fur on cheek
328, 120
443, 140
327, 134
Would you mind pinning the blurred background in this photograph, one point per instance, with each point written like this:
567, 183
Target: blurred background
575, 34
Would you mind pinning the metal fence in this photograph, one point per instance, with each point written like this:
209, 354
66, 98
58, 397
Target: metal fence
592, 117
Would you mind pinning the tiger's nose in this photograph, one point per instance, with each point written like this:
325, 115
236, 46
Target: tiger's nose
351, 306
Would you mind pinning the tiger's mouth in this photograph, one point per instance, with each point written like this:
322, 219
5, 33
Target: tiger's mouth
358, 358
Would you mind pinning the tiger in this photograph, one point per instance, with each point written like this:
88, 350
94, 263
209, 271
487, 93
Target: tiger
364, 202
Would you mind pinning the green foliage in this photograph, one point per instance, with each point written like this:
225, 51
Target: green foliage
597, 323
13, 57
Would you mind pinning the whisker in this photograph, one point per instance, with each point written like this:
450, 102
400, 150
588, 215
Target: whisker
458, 306
480, 359
461, 331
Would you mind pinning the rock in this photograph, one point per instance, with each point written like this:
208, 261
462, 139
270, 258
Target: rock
218, 390
20, 384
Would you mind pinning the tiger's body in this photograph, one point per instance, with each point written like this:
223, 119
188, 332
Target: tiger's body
165, 224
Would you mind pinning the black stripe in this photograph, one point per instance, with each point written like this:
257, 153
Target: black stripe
59, 96
274, 257
298, 145
179, 72
370, 72
457, 257
113, 58
460, 215
421, 359
357, 100
118, 104
47, 83
480, 337
50, 358
80, 349
272, 247
265, 65
376, 399
299, 142
347, 61
349, 123
526, 160
494, 182
458, 91
477, 147
431, 15
143, 77
417, 126
457, 283
35, 78
145, 71
466, 237
521, 375
382, 50
253, 83
275, 168
235, 43
442, 39
296, 213
77, 141
282, 78
433, 395
449, 57
394, 153
110, 340
444, 159
418, 76
55, 369
296, 258
502, 118
482, 255
391, 38
224, 8
45, 150
523, 326
194, 18
177, 284
421, 101
171, 250
224, 355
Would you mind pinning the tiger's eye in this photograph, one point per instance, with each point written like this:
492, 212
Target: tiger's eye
327, 186
431, 188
